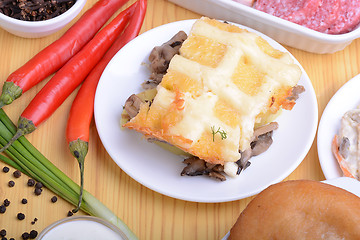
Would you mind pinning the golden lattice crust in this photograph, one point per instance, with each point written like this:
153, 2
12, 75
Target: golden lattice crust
225, 78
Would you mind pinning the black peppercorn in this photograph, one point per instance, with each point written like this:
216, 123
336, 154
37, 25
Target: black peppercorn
28, 10
6, 202
33, 234
38, 185
24, 201
25, 235
37, 191
5, 169
70, 213
31, 182
33, 222
11, 239
54, 199
3, 238
17, 174
20, 216
2, 209
3, 233
11, 183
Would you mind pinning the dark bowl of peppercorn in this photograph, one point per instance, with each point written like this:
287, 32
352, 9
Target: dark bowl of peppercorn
37, 18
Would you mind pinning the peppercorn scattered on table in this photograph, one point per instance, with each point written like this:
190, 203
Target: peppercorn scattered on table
150, 215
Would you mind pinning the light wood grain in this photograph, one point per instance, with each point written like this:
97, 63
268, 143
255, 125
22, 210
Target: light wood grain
149, 214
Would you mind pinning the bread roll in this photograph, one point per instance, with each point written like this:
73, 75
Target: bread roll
300, 209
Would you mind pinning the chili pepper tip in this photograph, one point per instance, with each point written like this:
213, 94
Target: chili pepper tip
25, 126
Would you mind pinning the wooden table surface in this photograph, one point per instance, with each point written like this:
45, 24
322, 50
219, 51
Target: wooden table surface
149, 214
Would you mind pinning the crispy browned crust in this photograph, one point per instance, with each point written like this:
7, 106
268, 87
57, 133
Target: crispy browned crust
300, 209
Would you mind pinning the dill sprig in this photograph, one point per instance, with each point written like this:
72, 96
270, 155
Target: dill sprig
222, 133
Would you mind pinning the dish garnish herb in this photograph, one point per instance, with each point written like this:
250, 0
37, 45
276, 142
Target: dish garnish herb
221, 132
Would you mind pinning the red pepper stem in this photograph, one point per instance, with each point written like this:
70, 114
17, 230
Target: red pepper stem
25, 126
10, 92
79, 149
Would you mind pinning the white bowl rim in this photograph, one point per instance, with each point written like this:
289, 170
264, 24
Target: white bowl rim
290, 26
53, 21
89, 218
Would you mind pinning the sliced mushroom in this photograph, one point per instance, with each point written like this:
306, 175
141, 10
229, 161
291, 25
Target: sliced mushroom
296, 91
261, 141
344, 147
160, 58
151, 84
243, 162
262, 144
210, 166
217, 176
218, 168
264, 129
195, 166
132, 105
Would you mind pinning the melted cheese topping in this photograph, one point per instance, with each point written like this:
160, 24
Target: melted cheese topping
222, 83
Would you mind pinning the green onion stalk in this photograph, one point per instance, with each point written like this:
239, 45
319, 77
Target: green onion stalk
22, 155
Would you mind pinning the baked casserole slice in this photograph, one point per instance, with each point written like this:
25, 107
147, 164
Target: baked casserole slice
224, 83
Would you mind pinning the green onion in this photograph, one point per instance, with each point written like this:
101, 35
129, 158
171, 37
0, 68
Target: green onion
23, 156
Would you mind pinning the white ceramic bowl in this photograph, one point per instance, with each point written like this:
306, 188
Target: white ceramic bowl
81, 227
36, 29
282, 31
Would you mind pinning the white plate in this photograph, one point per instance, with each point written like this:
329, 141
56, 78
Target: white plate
346, 183
160, 170
346, 98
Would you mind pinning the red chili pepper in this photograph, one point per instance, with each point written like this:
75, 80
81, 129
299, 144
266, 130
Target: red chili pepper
82, 109
54, 56
69, 77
